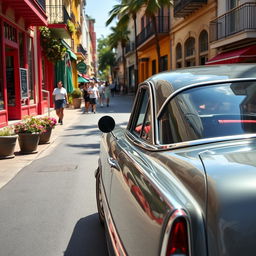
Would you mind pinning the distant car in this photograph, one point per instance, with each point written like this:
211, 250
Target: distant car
180, 180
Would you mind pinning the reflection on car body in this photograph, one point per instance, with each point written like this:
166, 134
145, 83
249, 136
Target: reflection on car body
181, 178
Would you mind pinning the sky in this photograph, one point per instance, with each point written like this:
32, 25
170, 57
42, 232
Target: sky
99, 9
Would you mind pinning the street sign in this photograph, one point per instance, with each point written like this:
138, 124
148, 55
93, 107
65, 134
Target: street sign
81, 67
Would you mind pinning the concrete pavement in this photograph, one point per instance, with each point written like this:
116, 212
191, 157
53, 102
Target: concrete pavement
10, 167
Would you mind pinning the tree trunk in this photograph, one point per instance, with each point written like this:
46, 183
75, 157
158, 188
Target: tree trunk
156, 41
136, 67
124, 66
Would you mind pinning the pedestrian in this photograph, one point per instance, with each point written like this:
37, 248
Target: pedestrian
86, 97
94, 95
60, 99
107, 93
101, 89
112, 89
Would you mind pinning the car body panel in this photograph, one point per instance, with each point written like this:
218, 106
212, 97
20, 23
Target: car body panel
209, 180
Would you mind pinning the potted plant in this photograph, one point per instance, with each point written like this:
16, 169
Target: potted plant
49, 123
76, 97
7, 142
29, 130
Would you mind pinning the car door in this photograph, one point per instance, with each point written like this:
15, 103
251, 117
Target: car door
136, 208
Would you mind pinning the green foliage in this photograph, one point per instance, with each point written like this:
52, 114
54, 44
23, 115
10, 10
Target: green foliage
52, 46
7, 131
77, 93
120, 35
29, 124
71, 27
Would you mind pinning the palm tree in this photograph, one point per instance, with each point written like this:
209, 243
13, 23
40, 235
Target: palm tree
123, 11
152, 8
120, 35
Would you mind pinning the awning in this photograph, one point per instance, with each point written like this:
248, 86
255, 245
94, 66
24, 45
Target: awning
242, 55
82, 80
71, 54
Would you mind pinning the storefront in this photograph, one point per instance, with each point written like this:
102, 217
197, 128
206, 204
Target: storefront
19, 91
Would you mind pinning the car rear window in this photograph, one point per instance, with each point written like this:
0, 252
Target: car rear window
209, 111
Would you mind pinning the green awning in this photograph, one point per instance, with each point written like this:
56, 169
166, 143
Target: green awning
82, 80
71, 54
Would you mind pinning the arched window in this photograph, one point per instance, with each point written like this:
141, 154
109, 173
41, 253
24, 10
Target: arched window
178, 56
190, 52
203, 47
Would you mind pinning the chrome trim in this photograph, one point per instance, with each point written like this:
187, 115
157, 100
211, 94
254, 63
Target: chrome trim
118, 247
201, 84
113, 163
175, 215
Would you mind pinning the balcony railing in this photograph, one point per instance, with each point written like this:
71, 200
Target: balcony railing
242, 18
130, 46
57, 14
162, 26
183, 8
41, 3
81, 49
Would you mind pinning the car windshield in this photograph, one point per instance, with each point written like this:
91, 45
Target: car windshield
209, 111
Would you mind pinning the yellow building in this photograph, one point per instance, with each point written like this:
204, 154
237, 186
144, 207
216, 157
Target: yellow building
190, 33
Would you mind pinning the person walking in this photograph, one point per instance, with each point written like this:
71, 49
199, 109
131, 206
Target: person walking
86, 97
101, 89
94, 95
107, 93
60, 99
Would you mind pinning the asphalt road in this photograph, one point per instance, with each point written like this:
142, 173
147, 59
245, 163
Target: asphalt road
49, 208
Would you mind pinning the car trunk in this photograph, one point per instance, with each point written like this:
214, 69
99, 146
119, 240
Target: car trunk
231, 199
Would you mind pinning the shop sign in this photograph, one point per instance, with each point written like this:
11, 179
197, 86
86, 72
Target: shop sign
81, 67
24, 83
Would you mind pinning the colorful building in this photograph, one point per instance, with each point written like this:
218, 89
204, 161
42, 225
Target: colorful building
20, 85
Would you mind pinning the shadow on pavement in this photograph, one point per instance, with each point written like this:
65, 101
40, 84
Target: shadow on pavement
88, 238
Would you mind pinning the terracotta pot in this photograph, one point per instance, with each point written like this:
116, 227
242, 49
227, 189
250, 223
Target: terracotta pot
7, 146
28, 142
45, 136
77, 102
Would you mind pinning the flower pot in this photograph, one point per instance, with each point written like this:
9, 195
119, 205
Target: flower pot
77, 102
7, 146
45, 136
28, 142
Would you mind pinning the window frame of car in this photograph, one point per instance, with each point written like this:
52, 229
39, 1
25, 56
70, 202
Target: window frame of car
138, 140
161, 146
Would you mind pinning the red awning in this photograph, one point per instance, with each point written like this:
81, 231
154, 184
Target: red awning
33, 13
242, 55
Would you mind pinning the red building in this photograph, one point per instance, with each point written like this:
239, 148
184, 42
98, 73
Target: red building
22, 77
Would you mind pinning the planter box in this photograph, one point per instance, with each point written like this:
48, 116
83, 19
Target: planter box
7, 146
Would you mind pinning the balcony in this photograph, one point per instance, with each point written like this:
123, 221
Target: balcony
236, 25
183, 8
57, 20
33, 11
81, 52
130, 47
146, 36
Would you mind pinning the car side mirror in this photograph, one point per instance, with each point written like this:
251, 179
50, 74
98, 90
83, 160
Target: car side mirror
106, 124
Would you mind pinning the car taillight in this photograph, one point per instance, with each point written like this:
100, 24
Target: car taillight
178, 240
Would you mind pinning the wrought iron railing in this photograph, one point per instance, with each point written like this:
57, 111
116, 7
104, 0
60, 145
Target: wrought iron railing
41, 3
162, 26
187, 6
242, 18
81, 49
57, 14
130, 46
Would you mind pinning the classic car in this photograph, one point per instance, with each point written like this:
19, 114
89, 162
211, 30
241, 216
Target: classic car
180, 180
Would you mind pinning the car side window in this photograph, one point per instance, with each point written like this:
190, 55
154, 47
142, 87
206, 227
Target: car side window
142, 123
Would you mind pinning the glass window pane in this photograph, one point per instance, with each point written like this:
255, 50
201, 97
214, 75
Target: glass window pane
210, 111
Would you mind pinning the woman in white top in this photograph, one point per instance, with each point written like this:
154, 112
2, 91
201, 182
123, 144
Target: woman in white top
60, 99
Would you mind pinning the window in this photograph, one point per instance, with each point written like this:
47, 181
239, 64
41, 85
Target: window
1, 79
31, 70
190, 52
163, 63
178, 56
21, 50
203, 47
209, 111
153, 67
142, 123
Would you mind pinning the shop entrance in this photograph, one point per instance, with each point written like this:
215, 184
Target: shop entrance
12, 83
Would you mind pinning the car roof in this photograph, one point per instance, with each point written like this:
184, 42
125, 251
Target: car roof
193, 75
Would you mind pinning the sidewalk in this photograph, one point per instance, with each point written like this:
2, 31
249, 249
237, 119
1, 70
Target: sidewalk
10, 167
